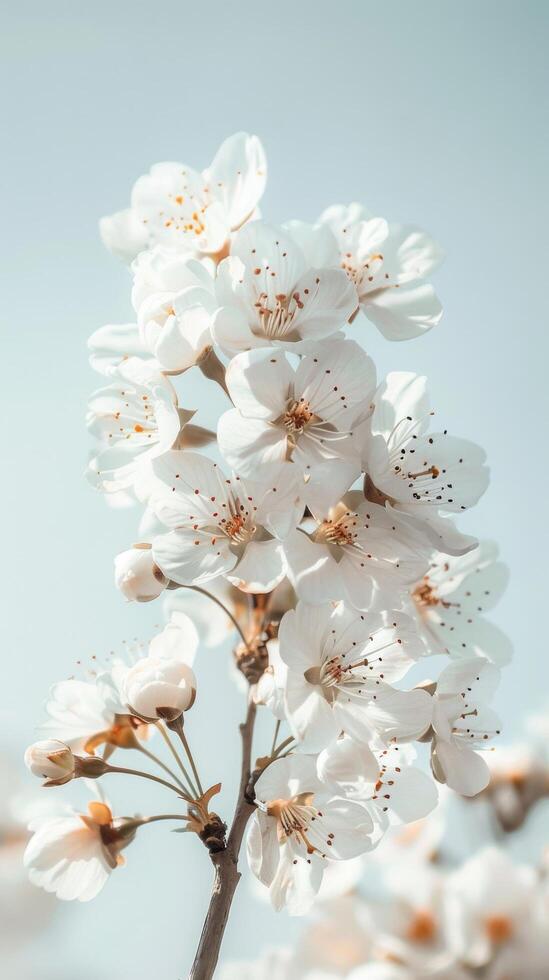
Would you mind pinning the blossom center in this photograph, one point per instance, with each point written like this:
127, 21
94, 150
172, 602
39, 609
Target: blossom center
425, 596
338, 531
297, 416
237, 525
187, 211
294, 819
135, 418
499, 928
276, 318
362, 273
422, 927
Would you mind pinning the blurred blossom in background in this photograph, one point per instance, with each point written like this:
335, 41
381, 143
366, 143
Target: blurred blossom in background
431, 114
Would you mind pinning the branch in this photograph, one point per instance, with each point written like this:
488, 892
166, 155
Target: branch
225, 862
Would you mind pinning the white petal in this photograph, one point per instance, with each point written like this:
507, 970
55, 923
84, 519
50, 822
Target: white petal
400, 714
296, 882
271, 251
237, 176
401, 399
189, 557
123, 234
312, 570
262, 847
474, 676
178, 640
251, 445
302, 634
348, 762
278, 500
465, 771
288, 777
114, 343
336, 382
317, 242
326, 483
193, 490
231, 330
186, 336
76, 710
259, 383
329, 299
261, 567
310, 716
412, 793
403, 312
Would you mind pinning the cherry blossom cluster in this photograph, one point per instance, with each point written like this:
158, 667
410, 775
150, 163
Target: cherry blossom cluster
315, 526
451, 897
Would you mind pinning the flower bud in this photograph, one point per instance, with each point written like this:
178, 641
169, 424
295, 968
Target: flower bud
157, 688
52, 760
136, 574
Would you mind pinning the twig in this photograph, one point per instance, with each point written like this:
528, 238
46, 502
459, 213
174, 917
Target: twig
227, 874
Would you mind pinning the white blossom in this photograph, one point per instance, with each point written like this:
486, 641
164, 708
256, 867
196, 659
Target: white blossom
388, 265
417, 471
340, 667
490, 904
462, 723
187, 209
221, 525
73, 855
134, 420
302, 416
297, 827
449, 603
359, 551
269, 295
173, 297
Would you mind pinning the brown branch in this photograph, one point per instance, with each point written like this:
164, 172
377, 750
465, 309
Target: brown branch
225, 862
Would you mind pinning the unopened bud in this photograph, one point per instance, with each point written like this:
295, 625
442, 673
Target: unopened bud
156, 688
52, 761
137, 576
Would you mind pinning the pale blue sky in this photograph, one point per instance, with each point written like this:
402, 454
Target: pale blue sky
433, 113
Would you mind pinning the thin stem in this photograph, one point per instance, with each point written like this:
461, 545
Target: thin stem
275, 736
227, 874
186, 746
234, 621
148, 775
141, 821
192, 790
154, 758
164, 816
282, 746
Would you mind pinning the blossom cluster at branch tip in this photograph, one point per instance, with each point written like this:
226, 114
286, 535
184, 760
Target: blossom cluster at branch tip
317, 520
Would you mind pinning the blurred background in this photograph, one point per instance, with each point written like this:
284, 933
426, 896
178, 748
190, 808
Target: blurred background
432, 113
